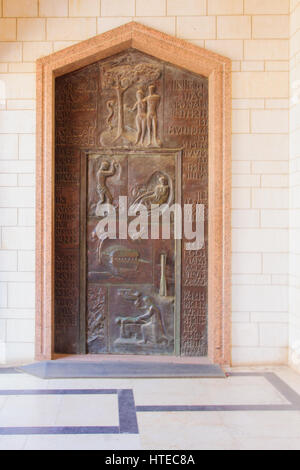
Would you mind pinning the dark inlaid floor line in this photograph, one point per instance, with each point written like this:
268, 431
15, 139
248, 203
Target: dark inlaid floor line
282, 387
127, 412
60, 392
126, 407
55, 430
214, 408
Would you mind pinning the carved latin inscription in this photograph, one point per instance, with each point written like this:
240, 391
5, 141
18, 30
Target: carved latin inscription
67, 217
194, 324
66, 288
76, 107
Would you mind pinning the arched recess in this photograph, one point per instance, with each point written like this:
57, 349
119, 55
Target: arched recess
187, 56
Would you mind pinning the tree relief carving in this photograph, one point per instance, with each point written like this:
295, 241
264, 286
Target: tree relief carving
118, 79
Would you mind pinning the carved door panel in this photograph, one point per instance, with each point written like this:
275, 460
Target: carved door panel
123, 124
130, 282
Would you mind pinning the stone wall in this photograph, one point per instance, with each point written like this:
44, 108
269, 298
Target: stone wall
295, 185
255, 35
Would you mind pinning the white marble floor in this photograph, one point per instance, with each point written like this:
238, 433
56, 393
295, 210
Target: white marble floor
259, 410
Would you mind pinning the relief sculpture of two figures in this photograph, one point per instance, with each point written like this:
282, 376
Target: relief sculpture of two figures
146, 117
119, 130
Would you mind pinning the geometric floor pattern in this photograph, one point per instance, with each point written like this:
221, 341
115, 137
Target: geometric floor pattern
251, 409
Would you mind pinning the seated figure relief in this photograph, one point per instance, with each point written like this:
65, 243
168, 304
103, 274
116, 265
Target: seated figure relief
151, 328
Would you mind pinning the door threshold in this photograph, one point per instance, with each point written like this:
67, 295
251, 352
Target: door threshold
100, 358
113, 367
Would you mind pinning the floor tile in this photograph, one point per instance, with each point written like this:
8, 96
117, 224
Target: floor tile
265, 424
231, 391
35, 410
89, 384
21, 381
83, 442
269, 444
3, 400
13, 442
88, 410
291, 378
238, 430
181, 431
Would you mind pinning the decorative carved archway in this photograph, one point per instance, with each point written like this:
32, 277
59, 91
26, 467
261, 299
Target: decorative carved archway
186, 56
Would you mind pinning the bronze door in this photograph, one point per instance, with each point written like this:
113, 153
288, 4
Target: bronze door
124, 126
131, 282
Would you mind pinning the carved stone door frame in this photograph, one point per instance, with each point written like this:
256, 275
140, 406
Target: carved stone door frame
187, 56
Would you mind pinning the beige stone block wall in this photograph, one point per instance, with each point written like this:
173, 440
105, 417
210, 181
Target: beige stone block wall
255, 35
294, 337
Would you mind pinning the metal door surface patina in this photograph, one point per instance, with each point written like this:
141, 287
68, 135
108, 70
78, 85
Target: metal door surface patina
129, 126
137, 276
